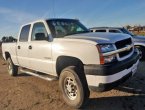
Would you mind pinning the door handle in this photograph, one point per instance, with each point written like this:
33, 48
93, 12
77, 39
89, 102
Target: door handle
30, 47
19, 47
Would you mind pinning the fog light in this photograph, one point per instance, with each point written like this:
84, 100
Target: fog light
109, 59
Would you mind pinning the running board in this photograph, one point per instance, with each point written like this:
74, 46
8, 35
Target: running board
45, 77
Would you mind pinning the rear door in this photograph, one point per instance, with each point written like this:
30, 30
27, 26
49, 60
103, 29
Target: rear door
22, 46
40, 49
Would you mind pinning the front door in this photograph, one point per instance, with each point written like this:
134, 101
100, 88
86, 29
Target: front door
40, 49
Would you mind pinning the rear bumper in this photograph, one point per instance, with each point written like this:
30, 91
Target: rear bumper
106, 77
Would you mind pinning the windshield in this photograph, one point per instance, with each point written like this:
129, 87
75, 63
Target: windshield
126, 31
63, 27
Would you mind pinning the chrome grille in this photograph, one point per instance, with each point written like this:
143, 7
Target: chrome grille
122, 44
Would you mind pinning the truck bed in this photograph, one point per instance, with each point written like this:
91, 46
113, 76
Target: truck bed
11, 48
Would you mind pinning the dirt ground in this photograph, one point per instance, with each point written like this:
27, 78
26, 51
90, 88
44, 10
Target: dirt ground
26, 92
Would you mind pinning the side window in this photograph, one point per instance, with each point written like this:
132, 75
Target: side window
102, 30
114, 31
24, 33
39, 32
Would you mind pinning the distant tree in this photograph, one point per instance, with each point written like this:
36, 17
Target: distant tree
128, 27
8, 39
3, 39
11, 39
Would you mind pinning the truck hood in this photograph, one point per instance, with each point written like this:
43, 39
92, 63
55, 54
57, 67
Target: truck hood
100, 37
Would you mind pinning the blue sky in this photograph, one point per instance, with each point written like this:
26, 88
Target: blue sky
14, 13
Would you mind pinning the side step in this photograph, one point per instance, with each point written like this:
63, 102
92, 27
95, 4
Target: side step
40, 75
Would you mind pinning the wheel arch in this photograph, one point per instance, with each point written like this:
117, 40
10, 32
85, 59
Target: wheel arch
65, 61
7, 55
138, 45
142, 47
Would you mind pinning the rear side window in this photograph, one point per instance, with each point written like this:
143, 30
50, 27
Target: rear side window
100, 30
24, 33
114, 31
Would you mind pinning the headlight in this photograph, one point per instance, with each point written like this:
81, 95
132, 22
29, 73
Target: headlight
103, 48
106, 48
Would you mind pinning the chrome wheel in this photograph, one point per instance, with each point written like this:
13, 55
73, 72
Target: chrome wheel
10, 68
70, 88
73, 87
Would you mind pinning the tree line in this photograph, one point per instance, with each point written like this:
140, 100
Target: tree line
8, 39
137, 28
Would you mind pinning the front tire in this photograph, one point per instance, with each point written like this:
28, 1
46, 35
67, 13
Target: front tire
74, 88
12, 69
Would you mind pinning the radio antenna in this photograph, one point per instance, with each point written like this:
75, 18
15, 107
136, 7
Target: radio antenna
53, 9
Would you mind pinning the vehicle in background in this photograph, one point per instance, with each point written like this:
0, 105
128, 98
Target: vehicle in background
139, 41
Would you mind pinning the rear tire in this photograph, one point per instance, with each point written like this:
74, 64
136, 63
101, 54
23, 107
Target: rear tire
74, 87
12, 69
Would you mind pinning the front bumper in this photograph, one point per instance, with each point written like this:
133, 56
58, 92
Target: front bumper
106, 77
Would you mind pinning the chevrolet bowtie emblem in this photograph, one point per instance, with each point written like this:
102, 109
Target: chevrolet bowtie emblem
128, 47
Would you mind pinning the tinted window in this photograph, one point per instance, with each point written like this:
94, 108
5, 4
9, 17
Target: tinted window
24, 33
114, 31
62, 27
100, 30
39, 32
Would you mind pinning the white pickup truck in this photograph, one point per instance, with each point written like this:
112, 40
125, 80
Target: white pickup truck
64, 49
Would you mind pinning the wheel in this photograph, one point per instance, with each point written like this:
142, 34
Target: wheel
74, 87
12, 69
141, 52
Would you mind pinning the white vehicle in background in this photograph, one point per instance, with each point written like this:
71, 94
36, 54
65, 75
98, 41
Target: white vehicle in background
64, 49
139, 41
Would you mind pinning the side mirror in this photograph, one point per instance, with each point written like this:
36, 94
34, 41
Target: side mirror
40, 36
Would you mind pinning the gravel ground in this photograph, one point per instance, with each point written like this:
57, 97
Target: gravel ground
26, 92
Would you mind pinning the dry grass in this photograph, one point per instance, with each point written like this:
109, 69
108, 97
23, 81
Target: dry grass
0, 51
139, 33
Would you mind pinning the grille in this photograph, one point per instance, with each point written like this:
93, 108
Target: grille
122, 44
122, 54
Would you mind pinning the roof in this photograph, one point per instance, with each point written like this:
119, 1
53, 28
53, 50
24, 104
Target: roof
60, 19
41, 20
106, 27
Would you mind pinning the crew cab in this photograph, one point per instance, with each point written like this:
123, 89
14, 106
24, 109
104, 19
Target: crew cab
139, 41
65, 50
